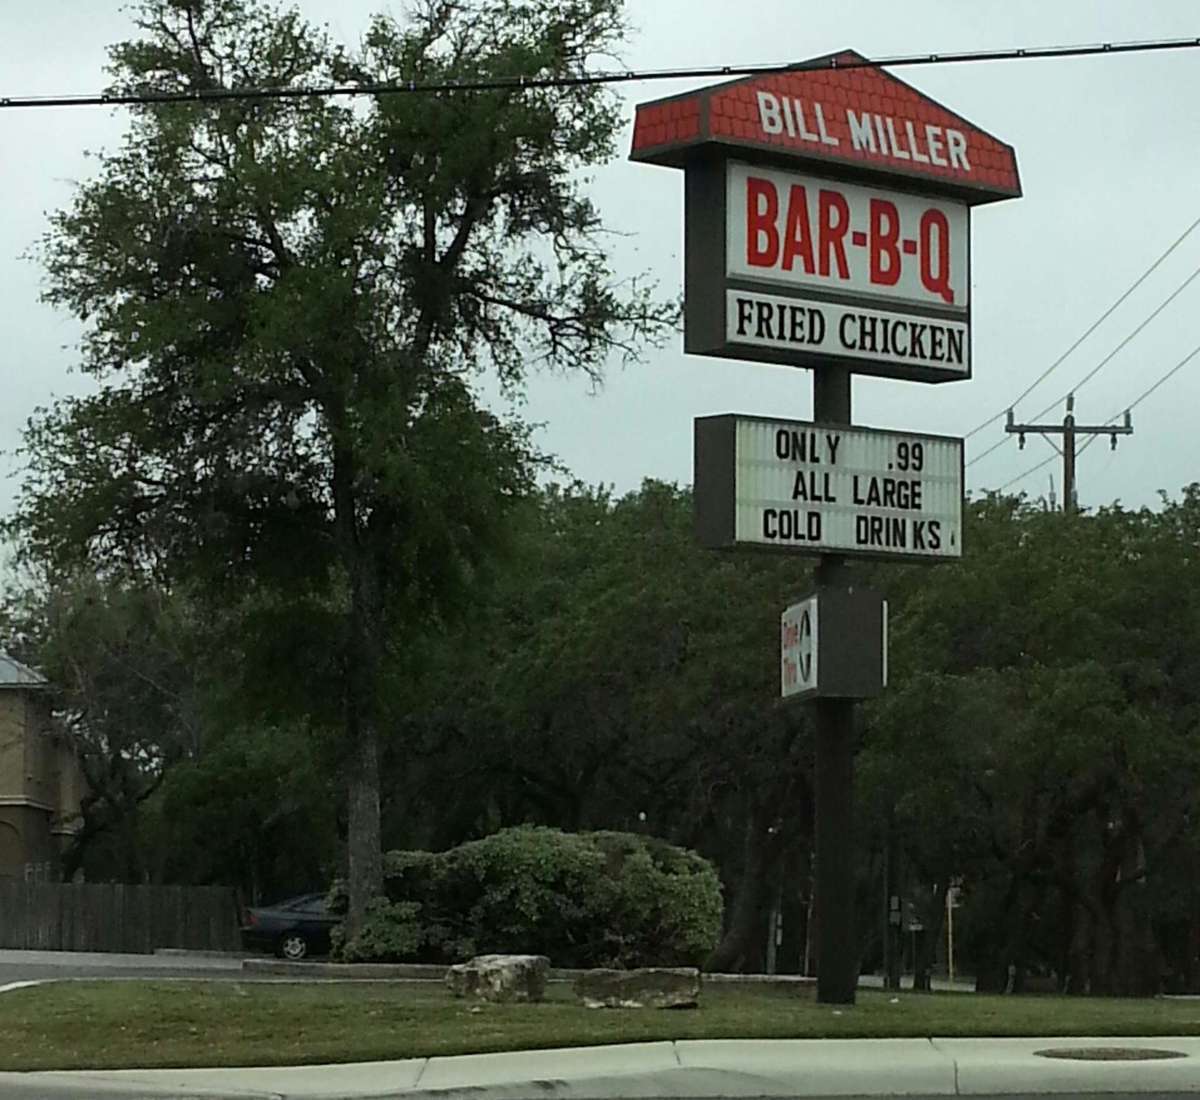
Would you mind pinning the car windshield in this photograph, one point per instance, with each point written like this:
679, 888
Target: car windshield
310, 903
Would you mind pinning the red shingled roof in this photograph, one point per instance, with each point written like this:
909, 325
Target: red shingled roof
727, 117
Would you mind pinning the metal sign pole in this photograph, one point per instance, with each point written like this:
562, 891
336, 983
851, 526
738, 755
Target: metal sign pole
836, 946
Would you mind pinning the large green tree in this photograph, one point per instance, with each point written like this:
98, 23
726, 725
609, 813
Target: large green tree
286, 299
1039, 741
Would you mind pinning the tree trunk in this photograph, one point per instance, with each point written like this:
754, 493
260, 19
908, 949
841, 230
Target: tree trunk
760, 851
1137, 969
1076, 978
363, 844
363, 667
364, 840
927, 941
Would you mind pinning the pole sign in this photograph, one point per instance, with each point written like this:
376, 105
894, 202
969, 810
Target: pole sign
833, 644
798, 486
827, 218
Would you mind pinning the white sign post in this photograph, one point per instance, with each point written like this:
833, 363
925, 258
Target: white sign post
794, 485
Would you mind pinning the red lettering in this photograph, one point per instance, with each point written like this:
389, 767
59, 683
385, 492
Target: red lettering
885, 236
762, 223
834, 214
934, 225
797, 240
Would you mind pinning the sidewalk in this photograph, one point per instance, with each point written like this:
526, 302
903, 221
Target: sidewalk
726, 1068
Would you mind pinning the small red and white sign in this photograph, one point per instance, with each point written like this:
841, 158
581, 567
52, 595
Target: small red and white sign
795, 230
798, 649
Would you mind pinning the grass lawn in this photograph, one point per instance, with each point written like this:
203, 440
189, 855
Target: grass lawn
86, 1025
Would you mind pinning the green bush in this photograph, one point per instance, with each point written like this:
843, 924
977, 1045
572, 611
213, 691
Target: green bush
583, 899
391, 931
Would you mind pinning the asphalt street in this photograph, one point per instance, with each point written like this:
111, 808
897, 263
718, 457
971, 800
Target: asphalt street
26, 966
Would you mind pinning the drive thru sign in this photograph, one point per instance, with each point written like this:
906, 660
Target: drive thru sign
834, 645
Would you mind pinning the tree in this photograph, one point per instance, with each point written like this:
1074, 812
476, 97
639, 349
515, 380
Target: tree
1039, 741
287, 299
254, 810
622, 677
126, 669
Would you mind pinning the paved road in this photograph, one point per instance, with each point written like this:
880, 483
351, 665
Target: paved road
24, 966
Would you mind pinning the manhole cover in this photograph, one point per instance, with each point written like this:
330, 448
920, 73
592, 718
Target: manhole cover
1109, 1054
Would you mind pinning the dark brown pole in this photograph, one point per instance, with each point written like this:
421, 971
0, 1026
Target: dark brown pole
1070, 431
837, 954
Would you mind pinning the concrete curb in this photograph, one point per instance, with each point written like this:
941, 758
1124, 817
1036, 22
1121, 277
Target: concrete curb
709, 1068
432, 973
368, 971
27, 984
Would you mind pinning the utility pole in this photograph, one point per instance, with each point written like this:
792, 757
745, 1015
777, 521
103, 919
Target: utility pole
1069, 431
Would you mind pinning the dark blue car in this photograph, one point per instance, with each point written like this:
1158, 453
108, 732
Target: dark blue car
292, 929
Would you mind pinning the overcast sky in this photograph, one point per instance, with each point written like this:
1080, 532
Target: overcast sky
1108, 148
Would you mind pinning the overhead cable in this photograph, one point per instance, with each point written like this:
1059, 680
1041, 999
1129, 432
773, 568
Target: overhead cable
1045, 462
1123, 344
1164, 379
492, 84
1108, 358
1095, 325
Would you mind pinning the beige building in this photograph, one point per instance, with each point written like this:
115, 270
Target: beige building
41, 785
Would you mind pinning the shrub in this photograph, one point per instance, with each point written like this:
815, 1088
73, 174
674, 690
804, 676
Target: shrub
583, 899
391, 932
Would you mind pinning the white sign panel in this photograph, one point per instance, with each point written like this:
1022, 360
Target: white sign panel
829, 489
819, 327
803, 232
798, 672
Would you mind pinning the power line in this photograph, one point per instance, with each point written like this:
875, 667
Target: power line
1045, 462
1133, 405
1165, 378
1107, 359
412, 87
1124, 343
1032, 470
1095, 325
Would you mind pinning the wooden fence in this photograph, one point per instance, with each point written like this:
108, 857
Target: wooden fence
113, 917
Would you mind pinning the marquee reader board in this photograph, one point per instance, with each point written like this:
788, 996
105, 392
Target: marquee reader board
796, 486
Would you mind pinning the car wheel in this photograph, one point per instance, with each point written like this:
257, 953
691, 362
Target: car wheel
293, 946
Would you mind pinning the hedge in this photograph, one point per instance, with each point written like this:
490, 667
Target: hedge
583, 899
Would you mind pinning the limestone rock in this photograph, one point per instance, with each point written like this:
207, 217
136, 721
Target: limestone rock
500, 978
650, 987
